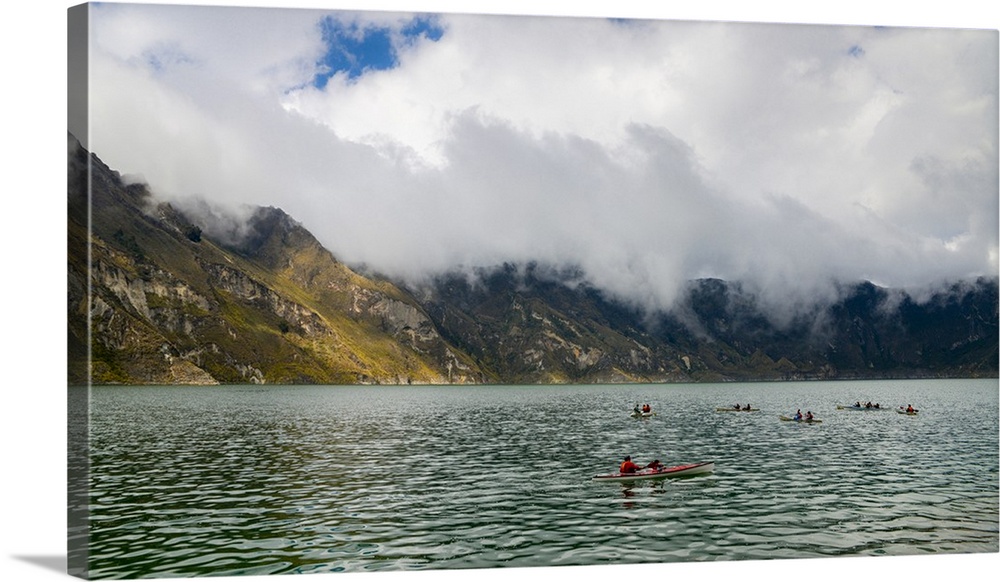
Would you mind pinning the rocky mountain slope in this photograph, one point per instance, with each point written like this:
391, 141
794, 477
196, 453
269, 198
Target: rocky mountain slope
155, 297
169, 305
529, 324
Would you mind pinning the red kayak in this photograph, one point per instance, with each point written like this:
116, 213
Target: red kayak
677, 471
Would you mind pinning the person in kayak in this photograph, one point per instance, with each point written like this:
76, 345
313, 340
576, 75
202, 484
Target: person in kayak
628, 466
747, 407
798, 414
809, 415
655, 465
635, 409
646, 409
909, 408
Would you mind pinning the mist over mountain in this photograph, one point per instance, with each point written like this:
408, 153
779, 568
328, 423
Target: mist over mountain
534, 325
176, 294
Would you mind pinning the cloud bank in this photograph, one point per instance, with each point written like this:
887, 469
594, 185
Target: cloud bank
645, 152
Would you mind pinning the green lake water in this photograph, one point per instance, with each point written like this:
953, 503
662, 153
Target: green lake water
252, 480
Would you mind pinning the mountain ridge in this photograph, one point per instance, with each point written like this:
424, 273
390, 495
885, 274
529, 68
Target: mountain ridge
159, 296
169, 305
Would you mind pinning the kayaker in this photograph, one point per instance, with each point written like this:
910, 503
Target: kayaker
635, 409
798, 414
747, 407
646, 409
857, 404
809, 415
909, 408
655, 464
628, 466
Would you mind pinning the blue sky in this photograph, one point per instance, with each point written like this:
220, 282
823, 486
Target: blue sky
355, 49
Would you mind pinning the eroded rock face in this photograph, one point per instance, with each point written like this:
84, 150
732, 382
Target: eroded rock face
244, 287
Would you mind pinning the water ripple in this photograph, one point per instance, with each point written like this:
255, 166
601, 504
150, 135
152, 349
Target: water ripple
269, 480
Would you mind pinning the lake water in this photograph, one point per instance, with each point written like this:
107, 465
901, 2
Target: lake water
252, 480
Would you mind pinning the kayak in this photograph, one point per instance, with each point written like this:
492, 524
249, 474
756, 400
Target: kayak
645, 474
642, 414
903, 411
737, 410
852, 407
813, 421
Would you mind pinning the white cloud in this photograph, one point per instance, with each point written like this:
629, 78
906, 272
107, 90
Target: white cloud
645, 152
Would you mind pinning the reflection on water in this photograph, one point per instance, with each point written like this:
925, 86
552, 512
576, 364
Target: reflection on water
258, 480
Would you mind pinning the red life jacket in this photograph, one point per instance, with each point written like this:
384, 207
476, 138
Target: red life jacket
628, 467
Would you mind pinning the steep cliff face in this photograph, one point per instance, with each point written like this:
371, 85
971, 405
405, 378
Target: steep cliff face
154, 300
951, 333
